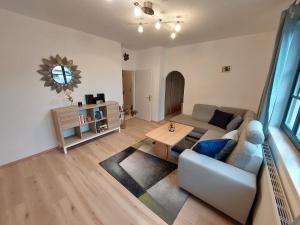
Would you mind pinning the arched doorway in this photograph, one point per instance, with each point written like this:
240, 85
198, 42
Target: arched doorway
174, 93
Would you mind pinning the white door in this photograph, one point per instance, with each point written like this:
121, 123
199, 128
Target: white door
143, 98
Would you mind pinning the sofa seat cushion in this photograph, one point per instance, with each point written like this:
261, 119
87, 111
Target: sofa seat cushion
212, 134
201, 126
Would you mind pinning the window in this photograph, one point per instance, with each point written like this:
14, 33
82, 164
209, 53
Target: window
291, 120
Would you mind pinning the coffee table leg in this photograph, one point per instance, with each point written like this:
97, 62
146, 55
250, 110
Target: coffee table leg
162, 150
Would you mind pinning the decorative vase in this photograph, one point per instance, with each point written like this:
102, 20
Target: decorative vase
172, 126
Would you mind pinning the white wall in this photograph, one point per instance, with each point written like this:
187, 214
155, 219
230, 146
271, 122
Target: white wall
26, 124
201, 66
131, 63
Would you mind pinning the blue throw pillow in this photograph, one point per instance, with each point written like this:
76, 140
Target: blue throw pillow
215, 148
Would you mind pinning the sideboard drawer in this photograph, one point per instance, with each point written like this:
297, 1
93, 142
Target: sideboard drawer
69, 118
69, 123
68, 115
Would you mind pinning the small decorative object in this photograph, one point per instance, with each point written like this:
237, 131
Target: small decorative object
101, 97
89, 119
133, 112
60, 74
226, 69
68, 95
79, 104
126, 56
81, 119
172, 126
89, 99
122, 117
98, 115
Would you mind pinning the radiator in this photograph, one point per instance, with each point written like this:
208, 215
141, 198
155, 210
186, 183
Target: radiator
281, 204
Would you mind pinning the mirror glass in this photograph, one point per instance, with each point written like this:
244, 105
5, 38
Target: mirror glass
61, 74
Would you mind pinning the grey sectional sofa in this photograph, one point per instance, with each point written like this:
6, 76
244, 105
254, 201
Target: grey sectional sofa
229, 186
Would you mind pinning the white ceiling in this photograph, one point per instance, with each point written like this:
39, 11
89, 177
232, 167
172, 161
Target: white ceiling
204, 20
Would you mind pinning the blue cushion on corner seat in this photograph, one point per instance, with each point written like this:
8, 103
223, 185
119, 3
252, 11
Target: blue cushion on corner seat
215, 148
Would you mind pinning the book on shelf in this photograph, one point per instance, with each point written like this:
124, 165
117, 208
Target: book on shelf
81, 119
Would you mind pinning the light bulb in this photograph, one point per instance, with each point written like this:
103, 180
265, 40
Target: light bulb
173, 35
178, 27
137, 11
157, 25
141, 28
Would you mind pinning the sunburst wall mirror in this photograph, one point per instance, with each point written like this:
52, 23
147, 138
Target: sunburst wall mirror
59, 74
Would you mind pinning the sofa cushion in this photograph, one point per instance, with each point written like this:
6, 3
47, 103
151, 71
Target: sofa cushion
241, 156
220, 119
203, 112
226, 150
215, 148
201, 127
254, 132
234, 123
235, 111
232, 135
250, 157
210, 134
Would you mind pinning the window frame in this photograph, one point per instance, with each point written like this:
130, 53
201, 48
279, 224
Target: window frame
292, 133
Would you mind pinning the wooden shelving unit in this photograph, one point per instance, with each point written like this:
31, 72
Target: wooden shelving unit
69, 129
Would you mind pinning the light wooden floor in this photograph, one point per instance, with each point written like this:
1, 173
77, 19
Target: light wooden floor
54, 189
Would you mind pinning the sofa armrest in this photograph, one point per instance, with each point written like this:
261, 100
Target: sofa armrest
221, 185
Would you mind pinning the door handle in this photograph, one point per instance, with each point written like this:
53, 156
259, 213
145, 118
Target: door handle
149, 98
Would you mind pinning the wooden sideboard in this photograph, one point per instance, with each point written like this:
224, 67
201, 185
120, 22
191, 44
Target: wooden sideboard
75, 125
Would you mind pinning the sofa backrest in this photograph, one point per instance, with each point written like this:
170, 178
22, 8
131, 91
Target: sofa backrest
203, 112
235, 111
247, 155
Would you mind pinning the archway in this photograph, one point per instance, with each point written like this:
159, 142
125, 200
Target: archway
174, 93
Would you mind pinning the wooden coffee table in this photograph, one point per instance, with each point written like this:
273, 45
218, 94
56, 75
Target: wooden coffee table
165, 140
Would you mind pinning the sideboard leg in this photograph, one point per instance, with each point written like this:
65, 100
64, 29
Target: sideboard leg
65, 150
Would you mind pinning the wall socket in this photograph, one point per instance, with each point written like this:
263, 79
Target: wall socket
226, 69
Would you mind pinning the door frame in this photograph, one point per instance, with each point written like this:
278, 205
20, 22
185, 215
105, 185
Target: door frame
165, 90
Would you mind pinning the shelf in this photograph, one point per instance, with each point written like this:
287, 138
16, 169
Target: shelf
87, 123
104, 118
93, 121
71, 140
86, 136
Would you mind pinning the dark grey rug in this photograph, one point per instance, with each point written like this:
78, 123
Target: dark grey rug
151, 179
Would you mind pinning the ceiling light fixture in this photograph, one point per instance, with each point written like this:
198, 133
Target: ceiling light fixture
137, 10
140, 28
147, 9
158, 24
178, 27
173, 35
